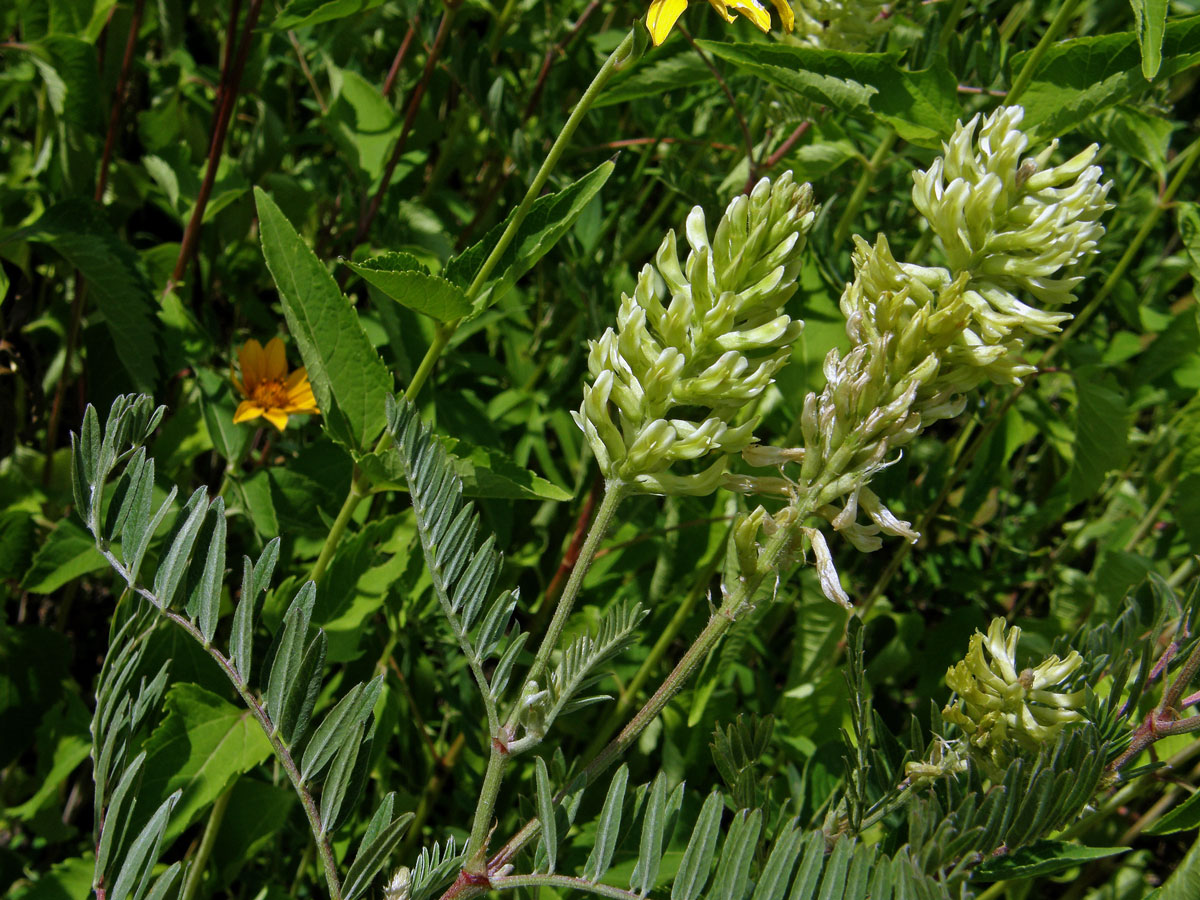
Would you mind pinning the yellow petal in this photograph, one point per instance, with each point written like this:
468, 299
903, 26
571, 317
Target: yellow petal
277, 418
662, 17
722, 9
787, 18
253, 362
246, 411
241, 388
752, 11
276, 360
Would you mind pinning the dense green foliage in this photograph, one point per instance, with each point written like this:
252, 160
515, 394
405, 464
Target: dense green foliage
448, 635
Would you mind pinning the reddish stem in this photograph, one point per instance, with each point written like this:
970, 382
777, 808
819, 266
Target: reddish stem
772, 160
414, 104
557, 50
227, 98
398, 62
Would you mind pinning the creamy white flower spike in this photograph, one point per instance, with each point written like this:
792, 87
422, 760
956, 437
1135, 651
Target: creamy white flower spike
696, 342
921, 337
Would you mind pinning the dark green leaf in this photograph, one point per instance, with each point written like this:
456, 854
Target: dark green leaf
608, 827
371, 857
402, 277
348, 377
549, 218
1042, 858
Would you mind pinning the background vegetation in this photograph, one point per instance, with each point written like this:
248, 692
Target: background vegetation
132, 254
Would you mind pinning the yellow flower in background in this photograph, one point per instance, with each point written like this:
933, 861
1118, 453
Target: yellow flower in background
269, 390
664, 13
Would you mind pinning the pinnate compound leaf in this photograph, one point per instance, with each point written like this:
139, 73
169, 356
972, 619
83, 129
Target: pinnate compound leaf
348, 378
1042, 858
550, 217
372, 856
78, 231
405, 279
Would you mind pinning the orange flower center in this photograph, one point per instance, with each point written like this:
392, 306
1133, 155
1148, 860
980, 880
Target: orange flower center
270, 394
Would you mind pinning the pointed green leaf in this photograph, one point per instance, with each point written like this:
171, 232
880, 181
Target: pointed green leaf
209, 590
1042, 858
289, 653
697, 860
732, 879
403, 278
349, 379
549, 218
349, 714
143, 853
333, 792
545, 809
372, 857
173, 565
650, 850
608, 827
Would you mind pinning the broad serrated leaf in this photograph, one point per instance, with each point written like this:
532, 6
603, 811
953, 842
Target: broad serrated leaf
348, 377
403, 278
549, 218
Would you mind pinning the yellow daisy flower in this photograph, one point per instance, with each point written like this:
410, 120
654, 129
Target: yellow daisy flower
664, 13
269, 390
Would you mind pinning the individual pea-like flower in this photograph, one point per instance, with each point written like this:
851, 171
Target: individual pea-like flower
998, 703
399, 886
697, 342
921, 337
270, 390
841, 24
663, 14
946, 759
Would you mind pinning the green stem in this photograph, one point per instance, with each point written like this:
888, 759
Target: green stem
614, 493
353, 498
1184, 163
842, 232
736, 603
361, 486
563, 882
215, 815
657, 652
616, 58
950, 26
476, 849
1057, 25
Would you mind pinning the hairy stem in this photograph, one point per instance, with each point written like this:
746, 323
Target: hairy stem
282, 753
476, 849
562, 882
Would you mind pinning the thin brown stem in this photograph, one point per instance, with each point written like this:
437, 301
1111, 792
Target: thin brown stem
308, 75
227, 96
410, 116
790, 141
398, 61
746, 137
557, 50
118, 104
